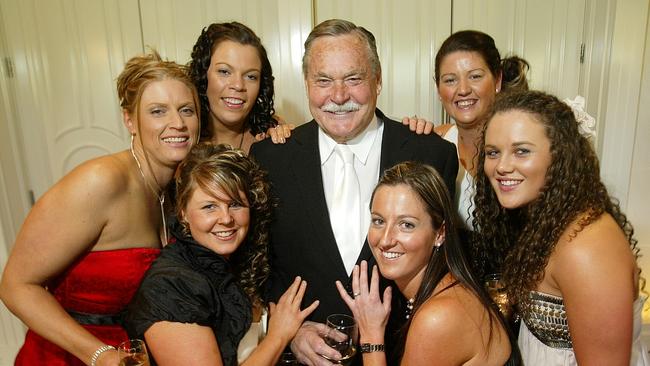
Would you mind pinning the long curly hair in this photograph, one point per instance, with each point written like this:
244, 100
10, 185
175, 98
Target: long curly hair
221, 167
512, 69
451, 256
260, 119
519, 242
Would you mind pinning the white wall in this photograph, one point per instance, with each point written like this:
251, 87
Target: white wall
638, 204
625, 155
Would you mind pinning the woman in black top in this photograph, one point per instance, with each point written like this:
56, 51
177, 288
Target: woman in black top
199, 298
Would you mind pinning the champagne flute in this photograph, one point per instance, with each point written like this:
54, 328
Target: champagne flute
342, 336
133, 353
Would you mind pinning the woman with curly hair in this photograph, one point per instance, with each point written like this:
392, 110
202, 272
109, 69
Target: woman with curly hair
565, 249
233, 76
198, 300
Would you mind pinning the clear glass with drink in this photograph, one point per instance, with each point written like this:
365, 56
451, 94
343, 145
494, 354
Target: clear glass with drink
497, 291
133, 353
342, 336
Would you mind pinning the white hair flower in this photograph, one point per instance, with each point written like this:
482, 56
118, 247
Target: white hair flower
586, 123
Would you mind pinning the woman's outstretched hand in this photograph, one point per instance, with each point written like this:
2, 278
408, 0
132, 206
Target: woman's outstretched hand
369, 309
286, 317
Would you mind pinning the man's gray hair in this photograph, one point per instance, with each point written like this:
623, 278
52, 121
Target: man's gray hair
339, 27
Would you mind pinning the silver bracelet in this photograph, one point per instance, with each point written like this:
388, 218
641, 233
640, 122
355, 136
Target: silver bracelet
99, 351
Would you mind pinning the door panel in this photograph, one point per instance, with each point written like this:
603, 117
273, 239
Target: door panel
67, 54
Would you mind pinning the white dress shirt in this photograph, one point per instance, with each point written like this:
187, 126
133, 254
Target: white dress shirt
367, 156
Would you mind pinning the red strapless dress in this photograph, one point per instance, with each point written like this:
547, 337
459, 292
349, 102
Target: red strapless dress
96, 286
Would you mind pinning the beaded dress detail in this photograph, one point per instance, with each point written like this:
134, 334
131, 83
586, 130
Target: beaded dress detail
547, 320
544, 337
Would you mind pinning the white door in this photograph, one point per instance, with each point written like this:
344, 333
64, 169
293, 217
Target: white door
58, 101
66, 55
172, 27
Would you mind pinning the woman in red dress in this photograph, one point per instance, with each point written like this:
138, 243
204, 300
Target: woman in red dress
84, 247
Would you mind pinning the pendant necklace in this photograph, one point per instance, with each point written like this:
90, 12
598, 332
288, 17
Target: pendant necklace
409, 307
160, 197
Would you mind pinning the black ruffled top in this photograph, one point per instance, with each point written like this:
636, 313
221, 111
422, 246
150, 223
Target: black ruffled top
189, 283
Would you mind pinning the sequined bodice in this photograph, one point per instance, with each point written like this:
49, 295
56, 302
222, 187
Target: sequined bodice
547, 320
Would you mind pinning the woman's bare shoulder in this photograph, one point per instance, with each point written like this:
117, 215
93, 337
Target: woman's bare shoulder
601, 241
106, 176
442, 129
453, 309
598, 252
441, 321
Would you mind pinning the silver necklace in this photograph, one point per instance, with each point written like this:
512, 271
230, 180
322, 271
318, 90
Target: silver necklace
160, 197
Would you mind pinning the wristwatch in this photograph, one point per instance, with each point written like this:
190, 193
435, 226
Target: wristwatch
367, 347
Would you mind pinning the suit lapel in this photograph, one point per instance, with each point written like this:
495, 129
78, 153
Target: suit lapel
393, 141
307, 170
392, 144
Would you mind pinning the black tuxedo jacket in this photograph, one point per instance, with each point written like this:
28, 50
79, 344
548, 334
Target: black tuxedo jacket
302, 241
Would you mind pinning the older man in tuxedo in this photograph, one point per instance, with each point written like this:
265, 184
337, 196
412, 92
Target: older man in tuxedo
323, 177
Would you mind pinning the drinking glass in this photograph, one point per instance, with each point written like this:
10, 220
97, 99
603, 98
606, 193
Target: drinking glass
342, 336
287, 359
133, 353
496, 289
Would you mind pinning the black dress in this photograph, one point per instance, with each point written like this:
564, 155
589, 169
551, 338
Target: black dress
189, 283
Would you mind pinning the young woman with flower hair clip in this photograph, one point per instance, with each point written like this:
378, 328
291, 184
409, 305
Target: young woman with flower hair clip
566, 251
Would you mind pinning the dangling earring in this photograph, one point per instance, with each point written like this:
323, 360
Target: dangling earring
496, 90
437, 245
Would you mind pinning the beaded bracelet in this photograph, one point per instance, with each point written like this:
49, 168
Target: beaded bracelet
99, 351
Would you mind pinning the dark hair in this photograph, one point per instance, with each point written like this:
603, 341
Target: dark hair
339, 27
221, 167
260, 118
511, 69
520, 241
450, 257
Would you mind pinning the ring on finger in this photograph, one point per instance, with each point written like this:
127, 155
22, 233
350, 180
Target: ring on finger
356, 294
